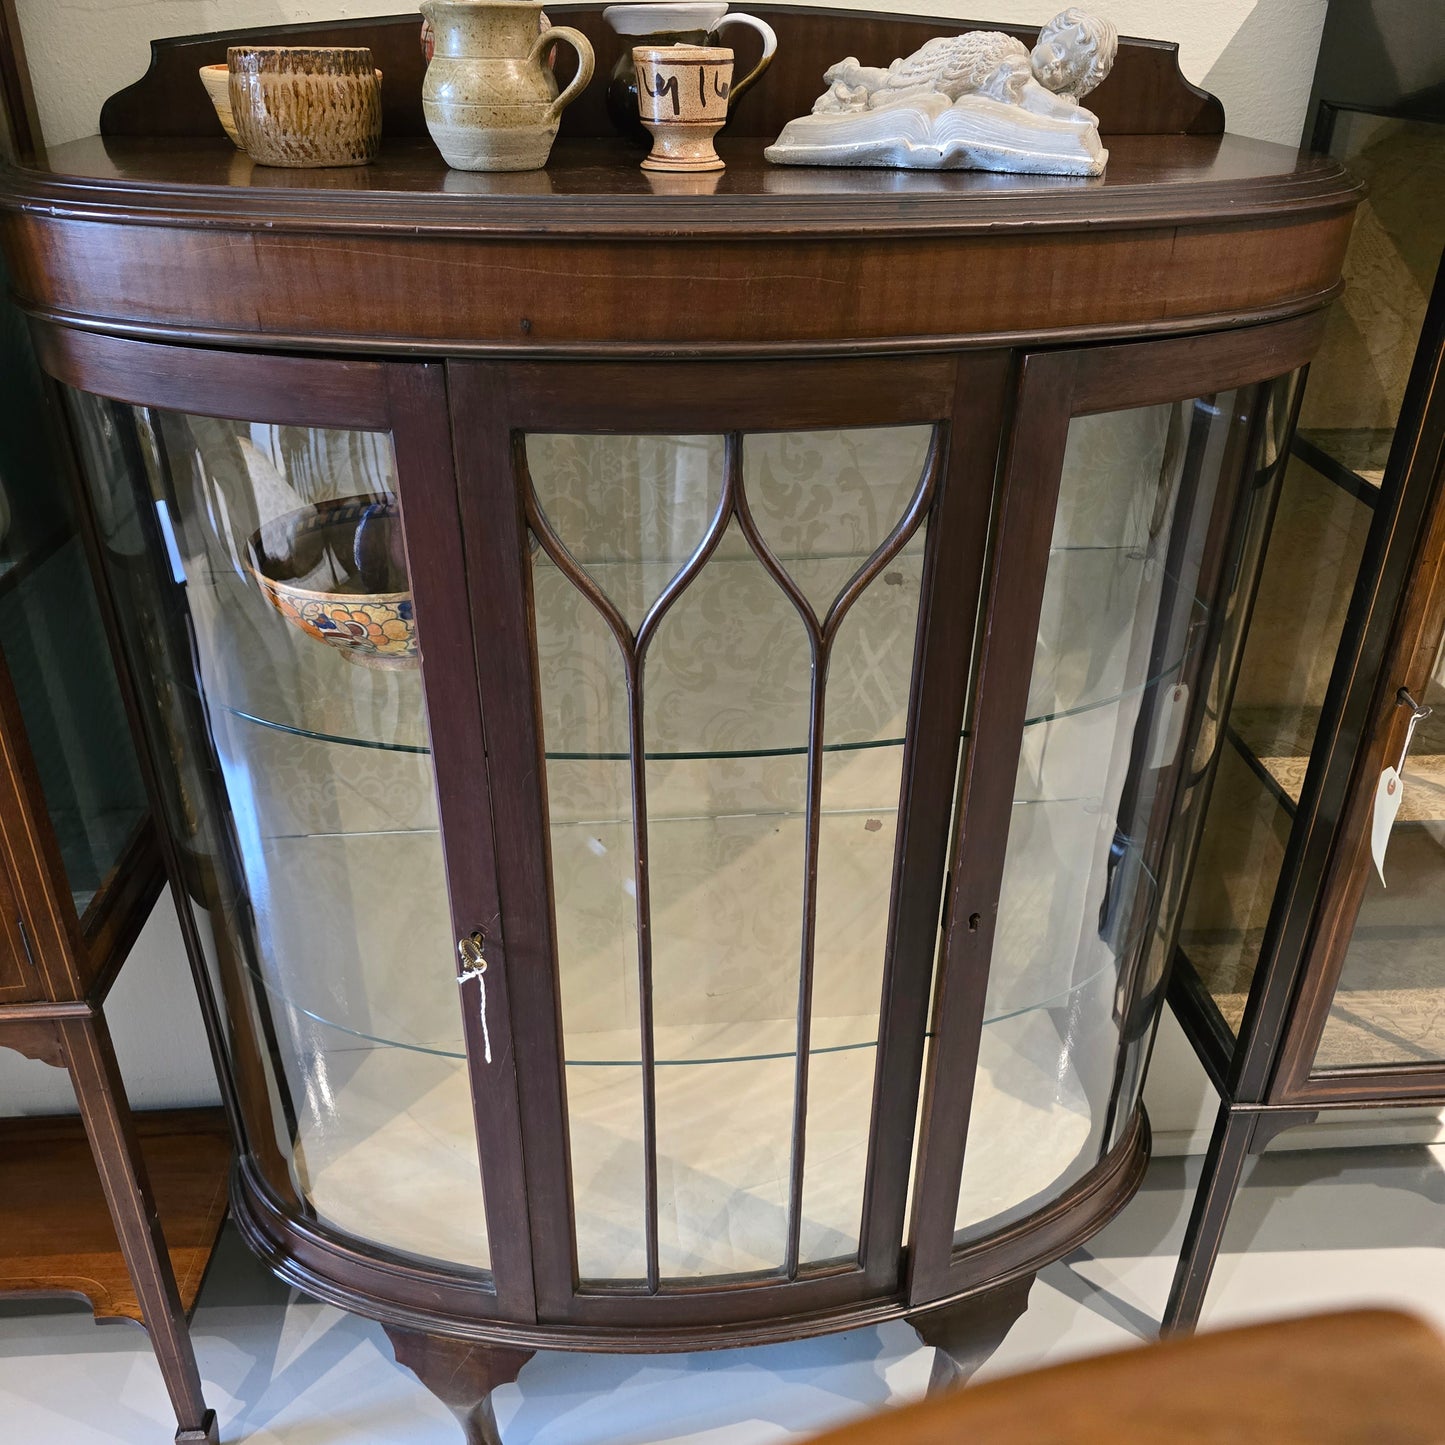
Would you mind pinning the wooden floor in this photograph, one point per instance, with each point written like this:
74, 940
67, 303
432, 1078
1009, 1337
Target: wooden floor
55, 1230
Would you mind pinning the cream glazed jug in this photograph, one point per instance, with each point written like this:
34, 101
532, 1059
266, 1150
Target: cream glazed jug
489, 97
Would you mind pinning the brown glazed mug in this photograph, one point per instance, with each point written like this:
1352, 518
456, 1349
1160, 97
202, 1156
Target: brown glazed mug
682, 97
305, 106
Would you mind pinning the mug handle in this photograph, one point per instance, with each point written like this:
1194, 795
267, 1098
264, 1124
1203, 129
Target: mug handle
770, 46
585, 61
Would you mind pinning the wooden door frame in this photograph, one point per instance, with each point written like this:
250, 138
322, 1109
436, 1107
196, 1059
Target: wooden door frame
494, 404
408, 401
20, 137
1053, 388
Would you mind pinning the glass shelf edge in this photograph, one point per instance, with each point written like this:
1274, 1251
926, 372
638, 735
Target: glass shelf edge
865, 745
1332, 469
434, 1051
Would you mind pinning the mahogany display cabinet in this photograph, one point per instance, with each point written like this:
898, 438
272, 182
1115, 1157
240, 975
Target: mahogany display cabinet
1307, 980
674, 707
117, 1209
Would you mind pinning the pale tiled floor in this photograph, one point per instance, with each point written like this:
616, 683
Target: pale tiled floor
1309, 1231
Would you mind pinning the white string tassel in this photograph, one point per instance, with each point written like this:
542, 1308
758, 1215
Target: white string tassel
478, 971
486, 1033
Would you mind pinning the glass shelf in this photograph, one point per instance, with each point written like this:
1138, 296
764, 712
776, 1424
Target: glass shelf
308, 902
719, 1044
277, 678
621, 757
1034, 719
1274, 744
1352, 458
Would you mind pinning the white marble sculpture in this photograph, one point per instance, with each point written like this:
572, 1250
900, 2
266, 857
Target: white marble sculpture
977, 101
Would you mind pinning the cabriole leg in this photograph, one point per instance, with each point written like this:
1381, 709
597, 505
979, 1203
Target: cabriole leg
462, 1374
965, 1334
110, 1128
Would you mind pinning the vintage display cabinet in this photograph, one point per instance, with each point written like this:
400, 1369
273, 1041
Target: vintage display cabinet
118, 1209
676, 704
1308, 981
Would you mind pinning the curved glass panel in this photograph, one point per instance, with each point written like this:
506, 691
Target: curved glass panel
723, 783
1148, 511
264, 596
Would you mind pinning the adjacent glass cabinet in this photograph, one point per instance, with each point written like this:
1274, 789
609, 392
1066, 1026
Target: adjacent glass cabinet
82, 1199
680, 720
1308, 977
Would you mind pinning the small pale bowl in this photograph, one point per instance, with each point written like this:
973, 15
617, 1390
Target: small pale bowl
217, 80
305, 107
365, 614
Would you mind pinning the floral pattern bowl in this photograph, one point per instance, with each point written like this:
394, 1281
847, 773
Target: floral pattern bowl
337, 571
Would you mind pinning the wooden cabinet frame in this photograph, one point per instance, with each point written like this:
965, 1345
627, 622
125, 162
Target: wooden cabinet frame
1053, 388
466, 521
786, 301
494, 406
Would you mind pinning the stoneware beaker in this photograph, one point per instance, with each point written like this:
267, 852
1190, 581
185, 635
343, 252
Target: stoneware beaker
682, 92
672, 22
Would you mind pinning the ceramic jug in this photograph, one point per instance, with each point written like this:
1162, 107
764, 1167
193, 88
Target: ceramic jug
490, 100
672, 22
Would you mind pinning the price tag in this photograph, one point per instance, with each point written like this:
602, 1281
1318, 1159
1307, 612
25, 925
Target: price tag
1390, 790
1389, 794
1169, 728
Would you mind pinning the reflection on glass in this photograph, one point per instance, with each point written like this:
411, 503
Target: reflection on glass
722, 680
263, 593
1389, 1006
1214, 766
1146, 506
1304, 593
54, 642
1358, 380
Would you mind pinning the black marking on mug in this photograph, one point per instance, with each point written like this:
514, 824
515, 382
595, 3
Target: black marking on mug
721, 86
660, 85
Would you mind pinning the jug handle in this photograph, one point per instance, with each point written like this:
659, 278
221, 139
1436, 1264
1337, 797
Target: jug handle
585, 61
770, 46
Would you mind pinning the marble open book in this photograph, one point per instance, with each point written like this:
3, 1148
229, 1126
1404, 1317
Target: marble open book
935, 133
977, 101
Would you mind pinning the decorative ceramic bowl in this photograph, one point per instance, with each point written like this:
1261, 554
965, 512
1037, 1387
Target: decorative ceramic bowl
306, 107
337, 571
217, 80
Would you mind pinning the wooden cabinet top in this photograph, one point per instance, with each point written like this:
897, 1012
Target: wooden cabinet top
594, 187
1189, 228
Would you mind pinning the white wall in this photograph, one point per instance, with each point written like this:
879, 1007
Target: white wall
1258, 56
156, 1024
